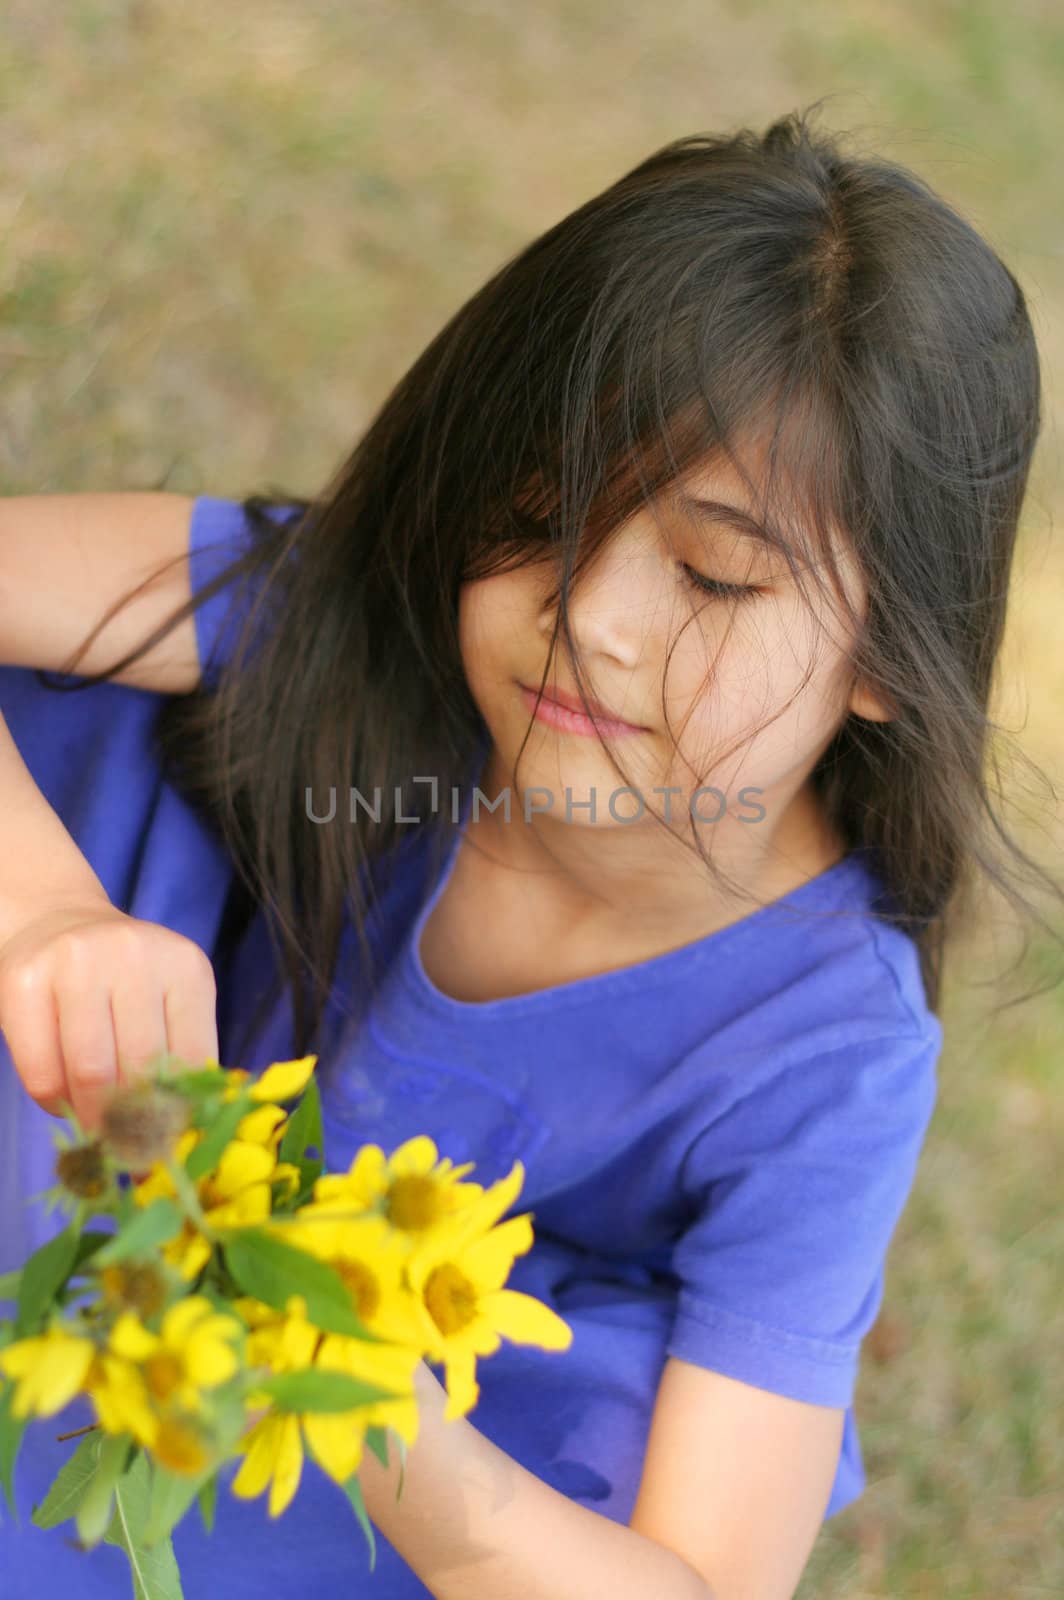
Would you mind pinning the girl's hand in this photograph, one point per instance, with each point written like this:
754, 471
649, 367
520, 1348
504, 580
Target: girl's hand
89, 995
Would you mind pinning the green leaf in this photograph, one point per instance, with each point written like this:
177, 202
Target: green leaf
94, 1508
11, 1431
155, 1571
9, 1283
273, 1271
88, 1244
43, 1275
69, 1484
197, 1084
151, 1227
377, 1439
317, 1389
304, 1128
353, 1490
171, 1495
208, 1494
203, 1156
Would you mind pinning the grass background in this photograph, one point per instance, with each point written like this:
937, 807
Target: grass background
227, 232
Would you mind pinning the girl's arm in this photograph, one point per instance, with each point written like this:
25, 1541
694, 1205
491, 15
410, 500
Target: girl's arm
734, 1488
65, 559
40, 864
476, 1525
87, 993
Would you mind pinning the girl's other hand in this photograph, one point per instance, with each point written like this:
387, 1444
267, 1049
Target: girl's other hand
89, 995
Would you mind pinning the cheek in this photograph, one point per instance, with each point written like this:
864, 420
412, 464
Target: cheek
493, 624
778, 671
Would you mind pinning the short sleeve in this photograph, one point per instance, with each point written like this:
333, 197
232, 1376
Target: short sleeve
795, 1193
219, 533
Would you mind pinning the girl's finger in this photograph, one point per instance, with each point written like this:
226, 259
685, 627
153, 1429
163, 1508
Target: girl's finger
139, 1028
31, 1030
87, 1040
191, 1026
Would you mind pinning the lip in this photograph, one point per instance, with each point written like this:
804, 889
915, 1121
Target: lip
565, 712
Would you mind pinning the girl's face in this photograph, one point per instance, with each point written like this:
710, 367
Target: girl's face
735, 696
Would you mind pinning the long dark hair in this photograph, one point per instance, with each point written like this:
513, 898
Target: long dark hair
835, 302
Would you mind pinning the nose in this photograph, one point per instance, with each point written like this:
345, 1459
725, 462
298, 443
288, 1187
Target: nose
612, 602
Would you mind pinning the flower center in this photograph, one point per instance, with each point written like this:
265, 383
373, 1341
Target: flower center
413, 1202
82, 1170
363, 1284
163, 1373
450, 1297
178, 1447
136, 1285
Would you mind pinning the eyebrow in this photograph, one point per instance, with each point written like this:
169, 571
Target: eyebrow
718, 512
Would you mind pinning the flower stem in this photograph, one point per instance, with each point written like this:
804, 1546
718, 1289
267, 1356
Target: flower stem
77, 1432
186, 1193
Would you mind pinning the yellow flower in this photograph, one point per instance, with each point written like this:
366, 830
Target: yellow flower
273, 1448
264, 1126
413, 1189
284, 1341
49, 1370
337, 1437
283, 1080
55, 1366
194, 1351
179, 1445
368, 1255
120, 1396
273, 1454
458, 1274
236, 1194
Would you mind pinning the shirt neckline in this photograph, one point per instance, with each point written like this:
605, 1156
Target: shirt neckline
600, 985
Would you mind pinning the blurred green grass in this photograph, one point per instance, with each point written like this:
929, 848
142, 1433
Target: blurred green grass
226, 234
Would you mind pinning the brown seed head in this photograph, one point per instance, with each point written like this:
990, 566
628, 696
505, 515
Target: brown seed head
142, 1123
82, 1170
136, 1286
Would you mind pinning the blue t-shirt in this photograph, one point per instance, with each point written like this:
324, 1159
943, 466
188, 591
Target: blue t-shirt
718, 1143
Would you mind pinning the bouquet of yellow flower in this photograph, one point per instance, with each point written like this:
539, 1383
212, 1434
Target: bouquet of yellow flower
242, 1302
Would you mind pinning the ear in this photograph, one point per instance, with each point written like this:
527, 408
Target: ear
864, 702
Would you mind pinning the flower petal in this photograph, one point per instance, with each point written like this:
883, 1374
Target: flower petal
131, 1339
482, 1211
259, 1126
526, 1320
249, 1205
259, 1448
58, 1372
336, 1439
489, 1259
239, 1166
283, 1080
288, 1467
181, 1318
418, 1155
463, 1391
209, 1361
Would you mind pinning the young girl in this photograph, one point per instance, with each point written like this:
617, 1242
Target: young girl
589, 775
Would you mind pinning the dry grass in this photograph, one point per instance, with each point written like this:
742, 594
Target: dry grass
229, 231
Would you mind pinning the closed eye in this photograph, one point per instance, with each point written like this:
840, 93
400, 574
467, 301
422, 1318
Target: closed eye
715, 588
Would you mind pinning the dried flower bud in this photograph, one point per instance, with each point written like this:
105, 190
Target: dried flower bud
136, 1286
82, 1170
142, 1123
